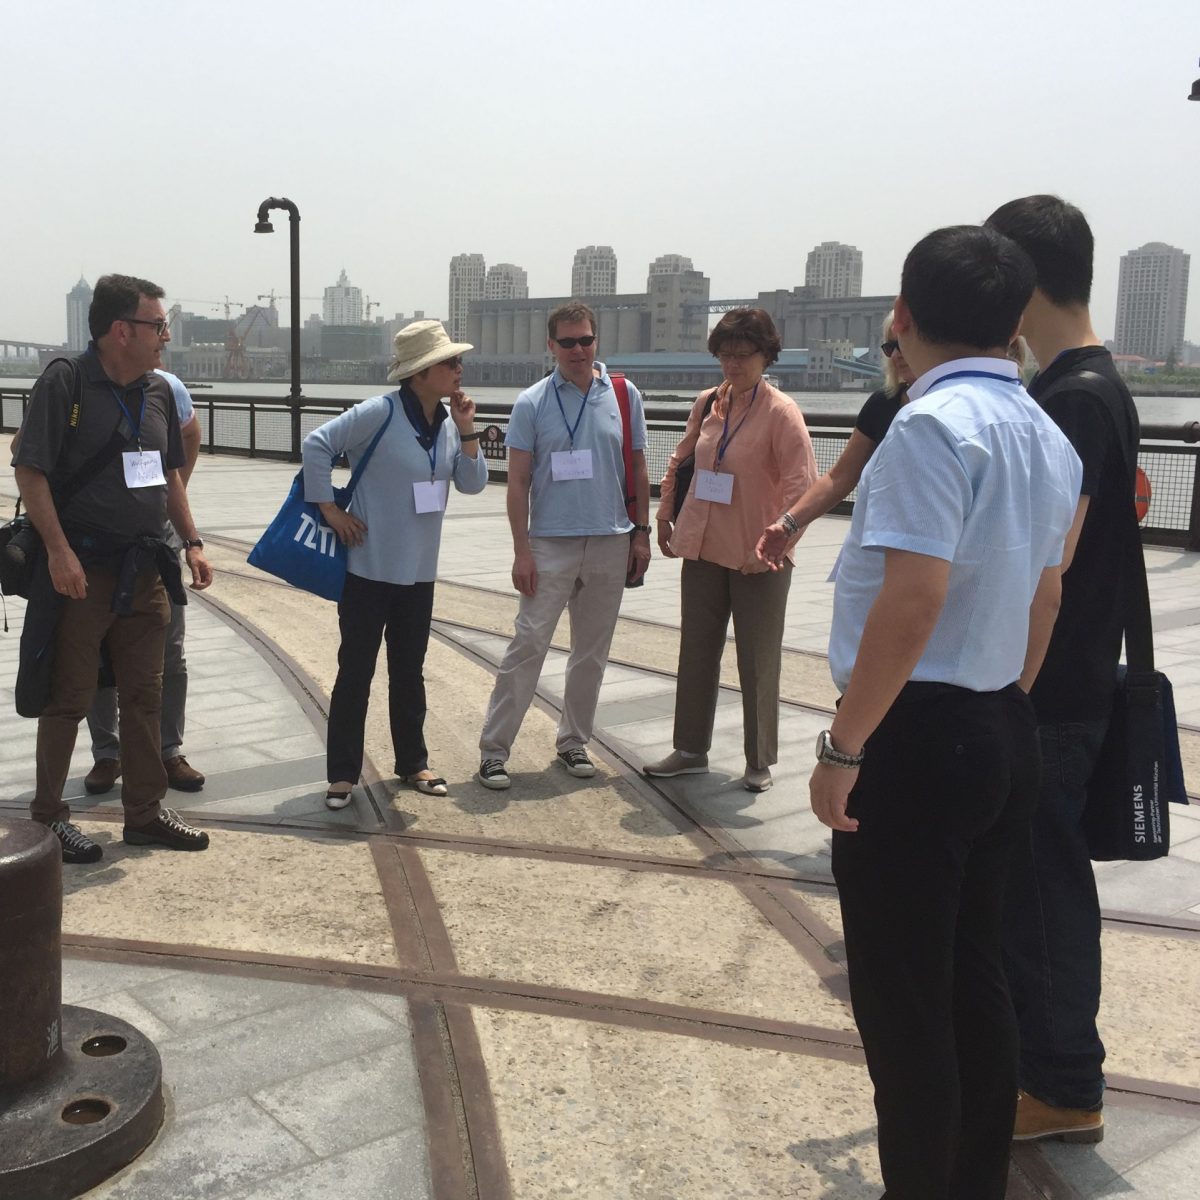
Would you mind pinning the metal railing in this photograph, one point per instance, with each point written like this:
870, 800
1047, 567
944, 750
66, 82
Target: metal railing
262, 427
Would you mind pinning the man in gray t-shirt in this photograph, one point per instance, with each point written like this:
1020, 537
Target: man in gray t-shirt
98, 465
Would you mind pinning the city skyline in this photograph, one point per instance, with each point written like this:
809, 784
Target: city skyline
395, 204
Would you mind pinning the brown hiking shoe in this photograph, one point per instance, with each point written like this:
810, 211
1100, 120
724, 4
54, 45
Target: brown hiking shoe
167, 829
182, 776
1037, 1120
103, 776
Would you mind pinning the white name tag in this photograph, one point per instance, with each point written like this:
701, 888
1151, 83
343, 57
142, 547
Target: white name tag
714, 486
143, 468
431, 497
571, 464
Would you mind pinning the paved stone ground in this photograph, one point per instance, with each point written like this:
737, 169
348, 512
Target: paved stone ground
578, 988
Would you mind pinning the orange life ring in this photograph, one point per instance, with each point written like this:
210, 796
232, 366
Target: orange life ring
1141, 494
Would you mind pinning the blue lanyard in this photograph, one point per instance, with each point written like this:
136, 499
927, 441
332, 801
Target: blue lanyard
135, 426
431, 454
572, 430
726, 436
974, 375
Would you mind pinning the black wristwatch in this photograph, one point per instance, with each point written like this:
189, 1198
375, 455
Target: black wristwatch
835, 758
641, 529
193, 543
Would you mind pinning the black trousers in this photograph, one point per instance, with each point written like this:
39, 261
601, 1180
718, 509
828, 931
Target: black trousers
367, 612
948, 785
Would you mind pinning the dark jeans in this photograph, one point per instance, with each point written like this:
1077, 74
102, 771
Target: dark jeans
1052, 929
367, 612
947, 786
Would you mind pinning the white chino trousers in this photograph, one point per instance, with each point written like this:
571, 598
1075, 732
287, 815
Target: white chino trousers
586, 576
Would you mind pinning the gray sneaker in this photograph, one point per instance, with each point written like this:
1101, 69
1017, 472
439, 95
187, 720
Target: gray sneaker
493, 775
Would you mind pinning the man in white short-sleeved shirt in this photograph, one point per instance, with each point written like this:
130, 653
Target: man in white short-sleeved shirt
946, 595
574, 543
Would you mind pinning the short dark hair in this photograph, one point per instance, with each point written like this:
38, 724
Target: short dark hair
967, 285
1057, 237
752, 325
573, 310
116, 298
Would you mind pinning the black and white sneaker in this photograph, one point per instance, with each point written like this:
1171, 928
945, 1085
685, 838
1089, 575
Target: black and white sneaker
167, 830
77, 847
577, 763
493, 775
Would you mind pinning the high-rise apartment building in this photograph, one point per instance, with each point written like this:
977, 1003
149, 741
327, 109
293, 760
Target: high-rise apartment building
468, 273
343, 303
79, 300
835, 270
1152, 301
594, 272
669, 264
506, 281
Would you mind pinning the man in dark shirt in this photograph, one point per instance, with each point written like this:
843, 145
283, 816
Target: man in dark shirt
1053, 917
120, 433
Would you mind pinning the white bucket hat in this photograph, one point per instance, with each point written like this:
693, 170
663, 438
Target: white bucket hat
419, 345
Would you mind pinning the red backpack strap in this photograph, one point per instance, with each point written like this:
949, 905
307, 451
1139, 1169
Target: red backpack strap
622, 390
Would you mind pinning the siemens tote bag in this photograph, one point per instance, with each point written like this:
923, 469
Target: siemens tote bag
299, 547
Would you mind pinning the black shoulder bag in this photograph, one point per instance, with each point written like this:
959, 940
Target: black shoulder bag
687, 467
1139, 770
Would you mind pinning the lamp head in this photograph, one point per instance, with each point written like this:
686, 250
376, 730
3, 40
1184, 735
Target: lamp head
1195, 90
264, 227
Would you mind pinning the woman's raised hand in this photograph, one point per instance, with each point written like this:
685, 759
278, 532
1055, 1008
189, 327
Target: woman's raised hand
462, 409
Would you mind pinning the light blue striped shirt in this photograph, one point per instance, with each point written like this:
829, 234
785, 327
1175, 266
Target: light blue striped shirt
971, 471
401, 545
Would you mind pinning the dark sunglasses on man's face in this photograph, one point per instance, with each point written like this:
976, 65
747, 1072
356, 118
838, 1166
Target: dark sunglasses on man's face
454, 363
889, 347
571, 343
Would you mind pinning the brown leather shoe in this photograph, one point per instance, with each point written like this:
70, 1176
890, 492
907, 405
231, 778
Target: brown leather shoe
181, 776
1037, 1120
102, 777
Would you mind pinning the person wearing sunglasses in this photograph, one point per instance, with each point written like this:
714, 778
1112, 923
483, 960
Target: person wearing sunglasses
574, 544
100, 468
874, 419
751, 453
393, 537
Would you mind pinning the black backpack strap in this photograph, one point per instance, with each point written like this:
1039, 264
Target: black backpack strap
66, 490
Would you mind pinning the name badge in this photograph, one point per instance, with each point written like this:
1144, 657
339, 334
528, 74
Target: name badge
571, 464
431, 497
143, 468
715, 486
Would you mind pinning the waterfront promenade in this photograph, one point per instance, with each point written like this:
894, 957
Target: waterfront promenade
600, 988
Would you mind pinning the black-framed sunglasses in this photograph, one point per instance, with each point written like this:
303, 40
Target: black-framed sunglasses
889, 347
571, 343
454, 363
160, 325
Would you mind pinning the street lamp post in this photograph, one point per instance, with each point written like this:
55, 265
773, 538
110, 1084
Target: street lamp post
265, 226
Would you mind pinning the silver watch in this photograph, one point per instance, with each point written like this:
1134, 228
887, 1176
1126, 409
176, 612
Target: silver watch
835, 758
789, 523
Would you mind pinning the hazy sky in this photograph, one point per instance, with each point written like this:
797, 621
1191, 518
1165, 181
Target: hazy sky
141, 136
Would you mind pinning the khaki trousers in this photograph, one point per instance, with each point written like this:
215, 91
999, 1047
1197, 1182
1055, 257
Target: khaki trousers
586, 576
135, 643
709, 595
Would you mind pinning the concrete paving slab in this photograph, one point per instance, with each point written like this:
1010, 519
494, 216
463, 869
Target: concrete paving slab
84, 979
605, 1113
353, 1102
277, 894
669, 938
389, 1169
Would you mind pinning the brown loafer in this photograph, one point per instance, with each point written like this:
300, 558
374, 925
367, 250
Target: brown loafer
182, 776
1038, 1120
102, 777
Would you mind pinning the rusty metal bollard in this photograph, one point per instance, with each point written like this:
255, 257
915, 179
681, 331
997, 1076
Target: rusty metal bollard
80, 1092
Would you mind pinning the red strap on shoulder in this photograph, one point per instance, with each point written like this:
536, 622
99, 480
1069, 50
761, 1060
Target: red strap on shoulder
622, 390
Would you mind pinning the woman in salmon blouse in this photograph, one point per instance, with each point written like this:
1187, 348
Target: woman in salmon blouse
753, 458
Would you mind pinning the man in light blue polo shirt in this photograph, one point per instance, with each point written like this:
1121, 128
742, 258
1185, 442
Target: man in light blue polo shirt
946, 595
574, 543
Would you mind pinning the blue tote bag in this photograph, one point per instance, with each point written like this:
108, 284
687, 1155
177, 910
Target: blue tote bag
299, 547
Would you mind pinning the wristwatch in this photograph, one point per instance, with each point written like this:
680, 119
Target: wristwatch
789, 523
196, 543
835, 758
641, 529
469, 437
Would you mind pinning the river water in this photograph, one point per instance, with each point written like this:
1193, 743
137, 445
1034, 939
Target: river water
1158, 410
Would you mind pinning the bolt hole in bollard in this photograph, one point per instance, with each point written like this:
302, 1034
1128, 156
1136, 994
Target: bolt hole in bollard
80, 1091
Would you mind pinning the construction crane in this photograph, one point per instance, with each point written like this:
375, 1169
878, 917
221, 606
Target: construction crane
237, 365
370, 305
227, 304
273, 295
